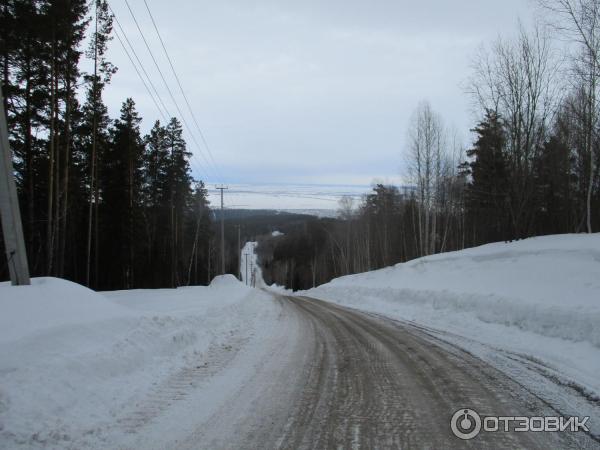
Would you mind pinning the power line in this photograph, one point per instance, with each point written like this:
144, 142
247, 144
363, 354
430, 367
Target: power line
199, 169
139, 75
182, 90
197, 166
222, 189
166, 110
165, 82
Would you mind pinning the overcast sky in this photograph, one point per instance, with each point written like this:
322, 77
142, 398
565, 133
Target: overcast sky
311, 91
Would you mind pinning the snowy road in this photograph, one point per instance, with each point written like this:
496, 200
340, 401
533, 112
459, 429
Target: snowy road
344, 379
229, 367
382, 360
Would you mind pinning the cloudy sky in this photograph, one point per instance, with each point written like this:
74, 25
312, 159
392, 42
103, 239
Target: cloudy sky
310, 91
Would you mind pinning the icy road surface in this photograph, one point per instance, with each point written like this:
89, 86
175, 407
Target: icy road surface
340, 378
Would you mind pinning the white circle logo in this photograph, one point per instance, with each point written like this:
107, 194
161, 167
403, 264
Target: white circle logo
465, 424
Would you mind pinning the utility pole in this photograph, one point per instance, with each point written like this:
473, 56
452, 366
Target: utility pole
209, 256
10, 215
239, 254
246, 260
222, 188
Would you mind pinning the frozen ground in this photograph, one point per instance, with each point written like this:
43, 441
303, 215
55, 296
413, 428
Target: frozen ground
80, 369
531, 308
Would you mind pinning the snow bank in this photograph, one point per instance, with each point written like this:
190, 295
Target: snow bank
49, 303
548, 285
75, 363
539, 297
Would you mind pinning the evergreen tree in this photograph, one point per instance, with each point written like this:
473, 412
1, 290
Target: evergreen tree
156, 194
96, 204
24, 78
179, 196
65, 30
199, 226
96, 118
121, 202
487, 192
554, 194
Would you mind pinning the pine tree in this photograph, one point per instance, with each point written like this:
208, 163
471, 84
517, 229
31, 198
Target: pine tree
179, 196
157, 207
66, 24
90, 190
23, 81
199, 226
554, 194
97, 119
487, 193
121, 202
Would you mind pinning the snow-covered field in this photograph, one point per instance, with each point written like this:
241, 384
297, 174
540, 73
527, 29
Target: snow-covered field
532, 308
314, 199
80, 369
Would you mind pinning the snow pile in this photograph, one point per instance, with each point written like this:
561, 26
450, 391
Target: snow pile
75, 364
539, 297
276, 233
226, 281
49, 303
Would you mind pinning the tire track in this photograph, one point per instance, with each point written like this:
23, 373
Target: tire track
374, 384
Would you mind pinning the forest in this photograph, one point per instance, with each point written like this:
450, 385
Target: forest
110, 208
101, 204
532, 168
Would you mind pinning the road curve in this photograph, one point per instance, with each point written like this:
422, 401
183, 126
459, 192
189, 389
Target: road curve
360, 381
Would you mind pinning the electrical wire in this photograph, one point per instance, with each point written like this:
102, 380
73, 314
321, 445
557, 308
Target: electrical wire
200, 169
183, 92
166, 84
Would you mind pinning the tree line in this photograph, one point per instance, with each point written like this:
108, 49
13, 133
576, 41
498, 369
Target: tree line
531, 170
102, 204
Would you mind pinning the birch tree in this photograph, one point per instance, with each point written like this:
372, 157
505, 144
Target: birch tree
516, 79
425, 168
579, 21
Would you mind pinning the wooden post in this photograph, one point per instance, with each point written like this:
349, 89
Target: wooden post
12, 229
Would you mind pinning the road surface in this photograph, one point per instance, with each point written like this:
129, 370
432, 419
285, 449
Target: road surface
346, 379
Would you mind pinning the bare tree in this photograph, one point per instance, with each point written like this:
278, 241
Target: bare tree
579, 21
346, 213
517, 80
425, 163
346, 207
